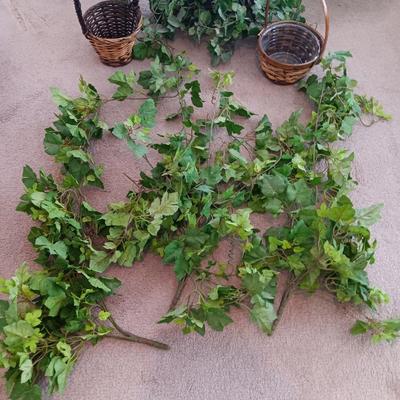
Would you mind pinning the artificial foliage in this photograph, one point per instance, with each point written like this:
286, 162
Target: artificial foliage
221, 22
192, 199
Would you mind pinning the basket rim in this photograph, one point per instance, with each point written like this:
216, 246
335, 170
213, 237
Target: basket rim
134, 33
285, 65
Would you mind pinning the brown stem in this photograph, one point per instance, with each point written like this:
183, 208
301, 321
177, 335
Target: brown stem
282, 305
178, 293
139, 339
291, 284
148, 161
367, 124
172, 96
126, 335
132, 180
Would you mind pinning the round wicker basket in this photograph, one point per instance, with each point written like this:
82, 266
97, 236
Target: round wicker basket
111, 26
289, 49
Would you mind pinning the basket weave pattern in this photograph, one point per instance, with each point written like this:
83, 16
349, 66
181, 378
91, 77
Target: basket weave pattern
288, 49
111, 26
279, 75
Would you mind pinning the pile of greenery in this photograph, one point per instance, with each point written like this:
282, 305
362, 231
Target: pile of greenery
189, 202
221, 22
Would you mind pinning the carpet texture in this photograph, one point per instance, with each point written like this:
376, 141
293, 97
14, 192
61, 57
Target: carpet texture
312, 355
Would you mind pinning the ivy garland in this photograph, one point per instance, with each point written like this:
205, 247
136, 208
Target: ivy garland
222, 22
182, 209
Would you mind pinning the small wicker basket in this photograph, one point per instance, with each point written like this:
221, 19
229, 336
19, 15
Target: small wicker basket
289, 49
111, 26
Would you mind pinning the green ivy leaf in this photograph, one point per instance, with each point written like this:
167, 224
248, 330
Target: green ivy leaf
120, 131
360, 327
104, 315
217, 319
99, 261
369, 216
194, 89
140, 51
342, 211
128, 256
54, 303
52, 142
26, 367
273, 206
137, 149
25, 391
58, 248
57, 371
96, 282
125, 84
17, 333
28, 177
33, 317
263, 314
273, 185
116, 218
168, 205
59, 98
173, 21
147, 113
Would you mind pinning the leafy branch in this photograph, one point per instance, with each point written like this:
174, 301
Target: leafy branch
182, 209
220, 22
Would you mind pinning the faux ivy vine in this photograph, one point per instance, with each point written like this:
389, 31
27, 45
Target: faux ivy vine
190, 201
221, 22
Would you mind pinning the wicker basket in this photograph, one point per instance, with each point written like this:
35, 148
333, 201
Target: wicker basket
289, 49
111, 27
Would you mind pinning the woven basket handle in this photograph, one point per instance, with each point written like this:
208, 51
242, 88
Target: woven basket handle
78, 10
327, 24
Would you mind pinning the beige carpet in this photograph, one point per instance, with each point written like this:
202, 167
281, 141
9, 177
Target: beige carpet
311, 356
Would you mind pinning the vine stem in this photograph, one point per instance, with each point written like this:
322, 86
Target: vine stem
141, 340
290, 285
133, 181
128, 336
178, 293
145, 158
172, 96
282, 304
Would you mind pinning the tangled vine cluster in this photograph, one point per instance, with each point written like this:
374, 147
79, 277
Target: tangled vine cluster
190, 201
221, 22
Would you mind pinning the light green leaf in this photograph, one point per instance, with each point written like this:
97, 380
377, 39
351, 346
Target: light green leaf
369, 216
116, 219
263, 314
26, 367
120, 131
99, 261
359, 328
59, 248
128, 255
103, 315
64, 348
147, 113
137, 149
54, 303
273, 185
168, 205
125, 84
59, 98
33, 317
